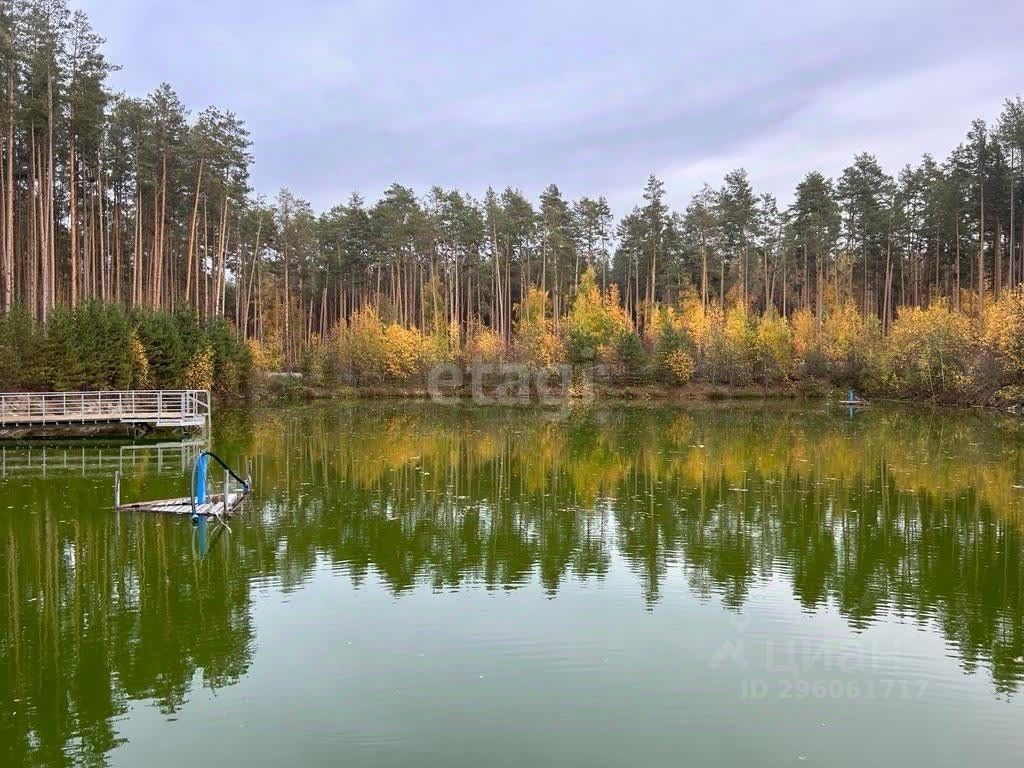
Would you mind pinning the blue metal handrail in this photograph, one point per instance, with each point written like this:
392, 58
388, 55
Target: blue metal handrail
199, 470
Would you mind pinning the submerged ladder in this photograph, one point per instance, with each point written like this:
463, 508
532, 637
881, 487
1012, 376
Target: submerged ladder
200, 503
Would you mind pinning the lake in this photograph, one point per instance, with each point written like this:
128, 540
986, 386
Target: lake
413, 584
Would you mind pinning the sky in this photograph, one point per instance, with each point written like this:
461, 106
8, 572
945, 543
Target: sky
593, 96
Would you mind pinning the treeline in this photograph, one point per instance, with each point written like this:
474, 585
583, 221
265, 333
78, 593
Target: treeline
137, 203
100, 346
937, 351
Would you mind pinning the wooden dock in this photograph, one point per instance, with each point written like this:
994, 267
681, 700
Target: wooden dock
140, 410
200, 505
214, 505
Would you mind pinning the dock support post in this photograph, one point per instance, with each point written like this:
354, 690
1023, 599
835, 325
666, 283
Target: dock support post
227, 485
117, 489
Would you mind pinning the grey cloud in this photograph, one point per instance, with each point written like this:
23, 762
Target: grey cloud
590, 95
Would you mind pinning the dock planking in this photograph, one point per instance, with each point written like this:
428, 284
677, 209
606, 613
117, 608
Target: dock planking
214, 507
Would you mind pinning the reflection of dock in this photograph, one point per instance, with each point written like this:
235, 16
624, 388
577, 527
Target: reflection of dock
139, 410
86, 460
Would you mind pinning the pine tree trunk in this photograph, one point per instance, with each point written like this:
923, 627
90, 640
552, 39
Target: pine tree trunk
8, 289
703, 272
981, 252
73, 217
997, 273
192, 239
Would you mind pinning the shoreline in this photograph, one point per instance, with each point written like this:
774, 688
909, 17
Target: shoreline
294, 390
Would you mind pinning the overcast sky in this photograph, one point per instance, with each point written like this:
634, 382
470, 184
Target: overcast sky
592, 95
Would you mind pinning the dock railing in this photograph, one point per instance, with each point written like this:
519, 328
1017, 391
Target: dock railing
159, 408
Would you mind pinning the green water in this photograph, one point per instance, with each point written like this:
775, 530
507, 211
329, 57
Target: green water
441, 586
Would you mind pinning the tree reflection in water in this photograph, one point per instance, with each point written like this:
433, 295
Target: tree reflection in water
892, 514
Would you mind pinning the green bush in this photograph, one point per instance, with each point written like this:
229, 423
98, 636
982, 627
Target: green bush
21, 356
165, 349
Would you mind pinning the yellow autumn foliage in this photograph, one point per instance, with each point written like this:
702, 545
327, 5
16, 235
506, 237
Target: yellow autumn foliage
1004, 333
774, 349
597, 322
740, 345
372, 351
141, 377
807, 352
405, 352
849, 340
680, 365
484, 346
361, 346
536, 343
267, 355
928, 350
199, 372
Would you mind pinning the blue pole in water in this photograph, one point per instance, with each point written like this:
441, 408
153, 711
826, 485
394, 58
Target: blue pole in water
200, 489
199, 484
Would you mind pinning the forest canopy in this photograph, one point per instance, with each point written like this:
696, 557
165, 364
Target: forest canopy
138, 202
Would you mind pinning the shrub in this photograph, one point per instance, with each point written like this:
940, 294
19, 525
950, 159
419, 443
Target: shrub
405, 353
165, 349
61, 361
21, 341
199, 371
370, 351
680, 365
484, 345
808, 356
1004, 335
232, 361
102, 339
596, 321
668, 335
848, 341
101, 346
267, 355
774, 349
313, 362
362, 346
929, 350
535, 343
711, 343
629, 359
740, 343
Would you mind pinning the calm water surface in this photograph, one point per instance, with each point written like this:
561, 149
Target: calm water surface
420, 585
